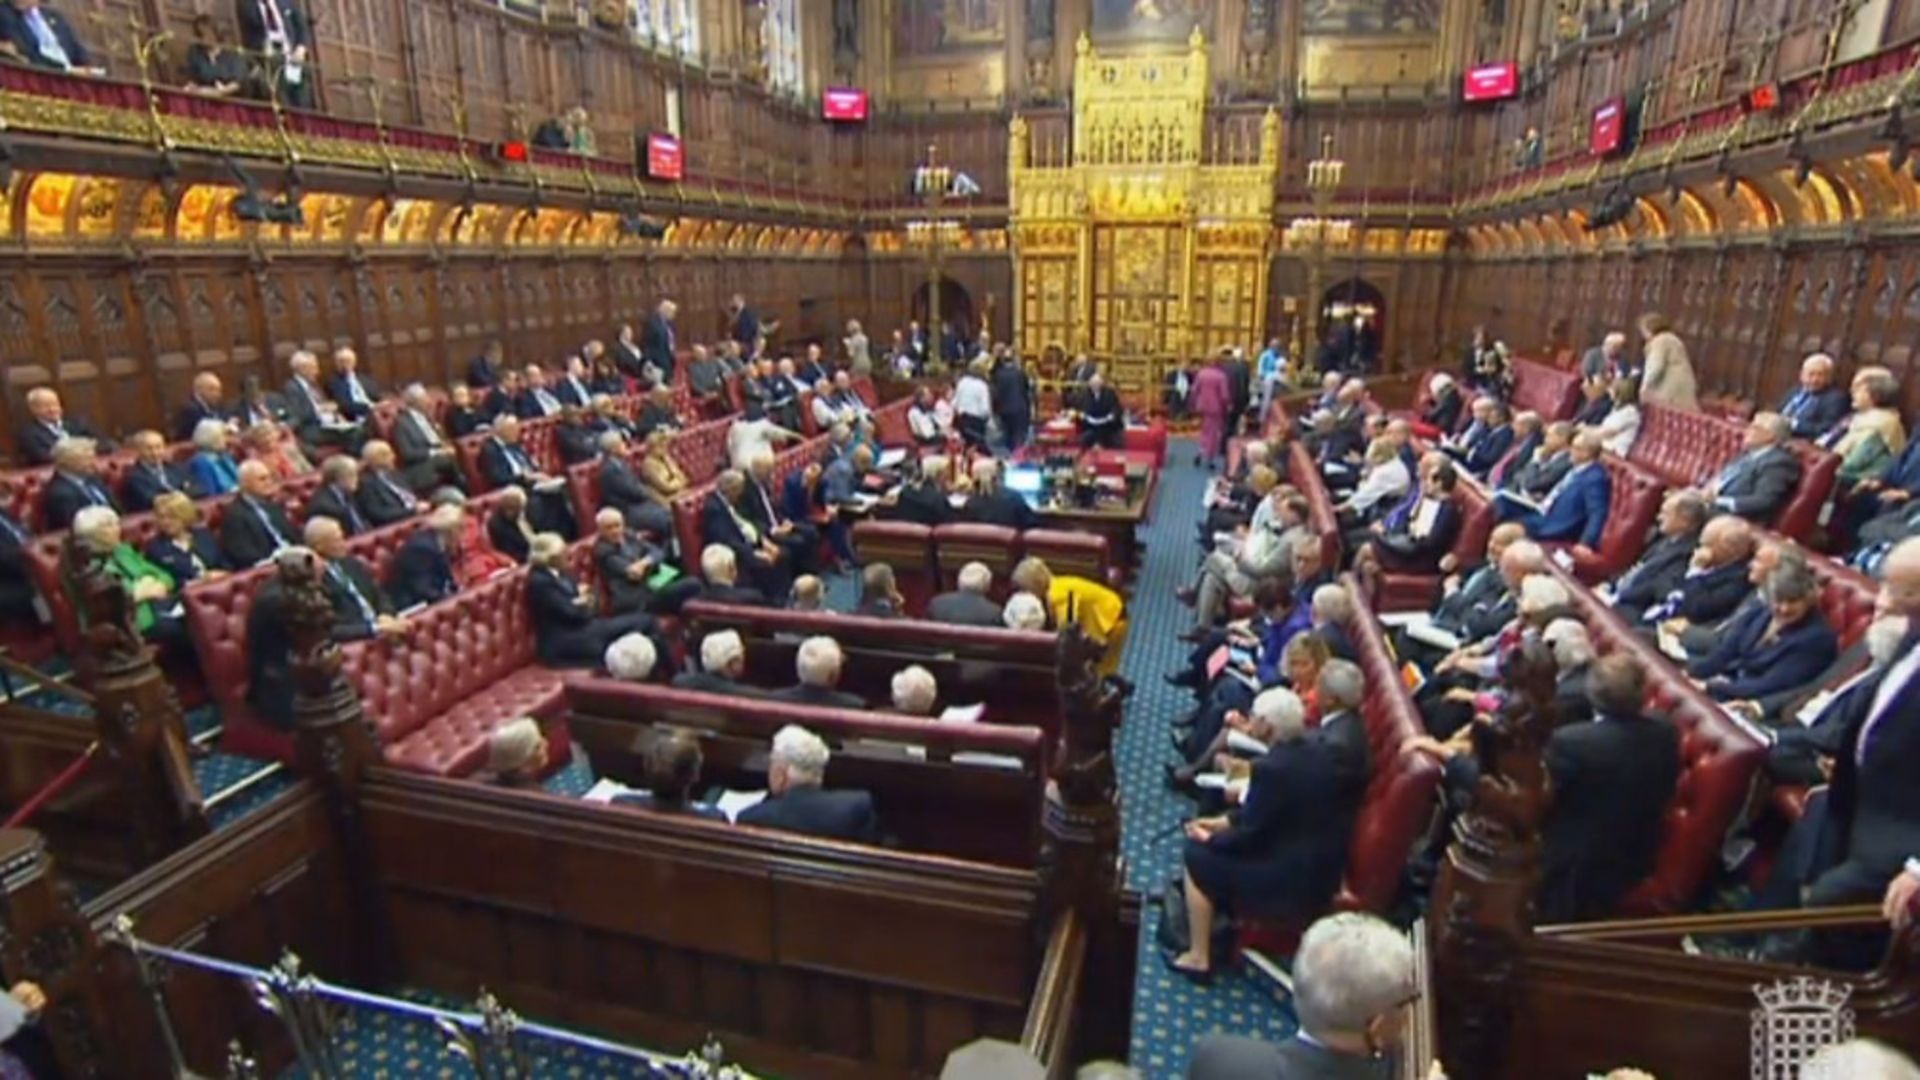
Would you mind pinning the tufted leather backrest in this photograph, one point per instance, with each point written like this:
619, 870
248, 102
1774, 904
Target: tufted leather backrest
453, 649
864, 389
1550, 391
1847, 597
1718, 758
217, 622
583, 484
1076, 554
1631, 512
1819, 471
1689, 448
1302, 473
702, 449
804, 402
1402, 783
890, 423
906, 547
957, 544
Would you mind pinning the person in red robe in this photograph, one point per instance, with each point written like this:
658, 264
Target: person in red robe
1211, 396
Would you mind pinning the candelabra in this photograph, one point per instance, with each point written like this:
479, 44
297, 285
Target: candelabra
931, 183
1318, 236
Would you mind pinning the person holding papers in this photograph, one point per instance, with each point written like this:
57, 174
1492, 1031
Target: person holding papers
1450, 698
1576, 509
1103, 419
795, 800
1551, 462
1414, 536
1384, 481
1778, 645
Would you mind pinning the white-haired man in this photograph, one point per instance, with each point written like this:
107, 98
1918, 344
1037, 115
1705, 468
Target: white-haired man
631, 658
352, 388
723, 663
795, 800
914, 691
720, 570
423, 569
255, 525
361, 608
1816, 406
425, 452
75, 483
635, 572
818, 663
316, 420
969, 604
1352, 977
338, 494
48, 423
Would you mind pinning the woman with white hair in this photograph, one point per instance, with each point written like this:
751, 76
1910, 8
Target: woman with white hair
157, 612
1352, 977
973, 403
213, 469
1281, 853
517, 754
568, 628
1024, 612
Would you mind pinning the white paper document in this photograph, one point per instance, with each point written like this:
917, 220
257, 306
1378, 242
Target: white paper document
963, 714
735, 803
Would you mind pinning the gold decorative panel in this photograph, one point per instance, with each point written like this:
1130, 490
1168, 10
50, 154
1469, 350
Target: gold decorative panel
1396, 60
1138, 250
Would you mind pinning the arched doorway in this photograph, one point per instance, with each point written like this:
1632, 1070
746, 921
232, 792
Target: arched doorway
956, 308
1353, 319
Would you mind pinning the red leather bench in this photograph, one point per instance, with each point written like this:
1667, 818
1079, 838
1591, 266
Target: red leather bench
1403, 591
998, 547
1689, 448
1631, 513
1303, 474
1402, 787
1718, 759
1552, 392
908, 548
467, 666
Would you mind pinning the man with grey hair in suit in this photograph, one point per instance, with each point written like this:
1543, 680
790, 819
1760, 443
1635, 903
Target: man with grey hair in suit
1353, 976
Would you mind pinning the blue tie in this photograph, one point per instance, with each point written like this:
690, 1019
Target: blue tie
12, 530
360, 601
49, 41
405, 497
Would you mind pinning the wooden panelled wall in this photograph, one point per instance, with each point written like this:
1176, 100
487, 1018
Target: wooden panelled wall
122, 338
1748, 313
1686, 57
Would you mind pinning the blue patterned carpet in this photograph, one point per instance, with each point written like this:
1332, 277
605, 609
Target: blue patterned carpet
1169, 1012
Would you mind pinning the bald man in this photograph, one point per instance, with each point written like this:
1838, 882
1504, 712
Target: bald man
1816, 405
1716, 580
255, 526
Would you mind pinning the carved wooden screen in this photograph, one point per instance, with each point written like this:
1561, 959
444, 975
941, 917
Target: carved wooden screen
1137, 272
1049, 302
1226, 303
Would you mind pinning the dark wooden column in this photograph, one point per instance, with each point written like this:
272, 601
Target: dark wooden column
142, 730
44, 939
1482, 909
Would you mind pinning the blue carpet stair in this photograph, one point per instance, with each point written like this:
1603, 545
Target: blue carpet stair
1169, 1012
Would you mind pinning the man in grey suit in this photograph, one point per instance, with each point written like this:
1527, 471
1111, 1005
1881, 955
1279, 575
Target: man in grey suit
426, 453
1353, 976
1759, 482
968, 605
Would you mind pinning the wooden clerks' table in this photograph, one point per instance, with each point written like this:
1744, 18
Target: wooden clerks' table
1121, 503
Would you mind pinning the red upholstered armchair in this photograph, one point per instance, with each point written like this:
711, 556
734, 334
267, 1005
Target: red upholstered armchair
1718, 760
1399, 591
1550, 391
1075, 554
1303, 474
1635, 505
217, 622
960, 543
1819, 469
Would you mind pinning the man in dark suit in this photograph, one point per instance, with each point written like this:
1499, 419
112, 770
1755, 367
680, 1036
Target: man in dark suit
1528, 434
818, 663
422, 570
1664, 564
576, 438
75, 483
1353, 977
745, 324
483, 371
1475, 604
1103, 419
992, 504
658, 413
795, 800
1816, 405
255, 526
1012, 400
622, 489
968, 605
1342, 730
628, 566
504, 462
720, 579
627, 357
315, 419
43, 37
1779, 644
48, 423
724, 521
202, 404
1716, 581
361, 608
723, 663
536, 398
571, 387
1079, 376
426, 454
798, 540
17, 593
1485, 446
1759, 482
352, 389
278, 30
1870, 825
1576, 509
1240, 381
1612, 781
338, 494
1550, 463
151, 475
383, 496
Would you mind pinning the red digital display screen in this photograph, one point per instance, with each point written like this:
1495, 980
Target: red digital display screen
1491, 82
1609, 127
666, 160
843, 103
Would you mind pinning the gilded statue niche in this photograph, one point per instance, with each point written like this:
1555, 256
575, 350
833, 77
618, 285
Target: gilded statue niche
1137, 248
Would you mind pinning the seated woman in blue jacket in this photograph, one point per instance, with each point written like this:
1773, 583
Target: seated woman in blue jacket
1282, 851
1767, 648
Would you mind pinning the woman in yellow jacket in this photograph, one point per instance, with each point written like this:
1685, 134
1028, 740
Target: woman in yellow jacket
1100, 611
